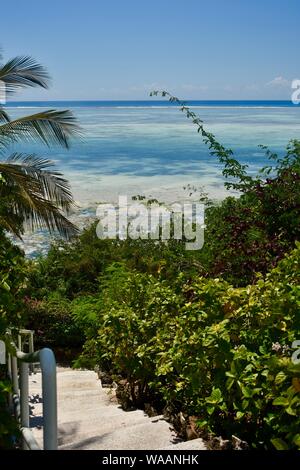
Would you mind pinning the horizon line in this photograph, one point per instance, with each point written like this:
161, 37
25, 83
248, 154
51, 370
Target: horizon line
141, 100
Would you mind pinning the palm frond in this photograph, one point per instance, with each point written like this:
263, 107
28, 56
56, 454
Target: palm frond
51, 183
49, 127
23, 212
33, 196
4, 117
23, 72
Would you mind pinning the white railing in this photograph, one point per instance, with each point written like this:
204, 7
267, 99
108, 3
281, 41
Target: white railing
18, 369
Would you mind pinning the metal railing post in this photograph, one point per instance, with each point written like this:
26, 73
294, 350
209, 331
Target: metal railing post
9, 372
9, 366
48, 367
20, 397
31, 345
24, 391
14, 371
20, 342
31, 350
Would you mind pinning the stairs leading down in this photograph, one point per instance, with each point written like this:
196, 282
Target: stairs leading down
89, 418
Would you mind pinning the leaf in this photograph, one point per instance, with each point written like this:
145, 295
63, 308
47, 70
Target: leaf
216, 394
34, 196
296, 440
230, 383
296, 383
215, 397
290, 411
230, 374
23, 72
202, 423
5, 285
279, 444
280, 377
49, 127
281, 401
246, 391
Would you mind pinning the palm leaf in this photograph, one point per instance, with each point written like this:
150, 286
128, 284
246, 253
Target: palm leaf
4, 117
51, 183
22, 72
49, 127
22, 212
33, 196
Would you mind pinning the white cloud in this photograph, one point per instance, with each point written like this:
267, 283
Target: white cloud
279, 82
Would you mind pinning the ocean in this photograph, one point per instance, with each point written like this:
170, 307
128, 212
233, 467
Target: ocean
150, 148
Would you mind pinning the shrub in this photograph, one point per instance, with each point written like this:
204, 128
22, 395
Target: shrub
12, 276
53, 325
214, 351
250, 234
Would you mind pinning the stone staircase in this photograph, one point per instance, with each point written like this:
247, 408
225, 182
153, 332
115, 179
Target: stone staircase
89, 418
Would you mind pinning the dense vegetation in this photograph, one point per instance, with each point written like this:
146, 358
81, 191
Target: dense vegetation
12, 276
208, 333
32, 194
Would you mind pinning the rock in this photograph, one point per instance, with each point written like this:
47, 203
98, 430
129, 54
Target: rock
238, 444
150, 410
106, 379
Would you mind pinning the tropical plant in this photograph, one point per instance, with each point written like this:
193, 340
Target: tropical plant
12, 277
207, 333
32, 194
207, 349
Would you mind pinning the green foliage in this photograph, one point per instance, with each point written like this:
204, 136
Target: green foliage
12, 276
33, 194
251, 233
207, 348
232, 168
76, 268
8, 426
207, 332
52, 323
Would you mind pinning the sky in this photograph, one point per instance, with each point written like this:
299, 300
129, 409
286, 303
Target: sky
122, 49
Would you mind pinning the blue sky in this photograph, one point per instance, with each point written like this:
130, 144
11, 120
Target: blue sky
121, 49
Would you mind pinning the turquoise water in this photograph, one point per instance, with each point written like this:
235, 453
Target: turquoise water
151, 148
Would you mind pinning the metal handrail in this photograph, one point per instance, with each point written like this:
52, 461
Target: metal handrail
47, 362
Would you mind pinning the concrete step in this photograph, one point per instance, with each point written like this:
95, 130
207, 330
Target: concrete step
144, 435
90, 418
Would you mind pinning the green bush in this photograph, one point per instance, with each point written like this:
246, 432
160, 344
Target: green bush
207, 332
75, 269
53, 324
250, 234
214, 351
244, 235
12, 277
